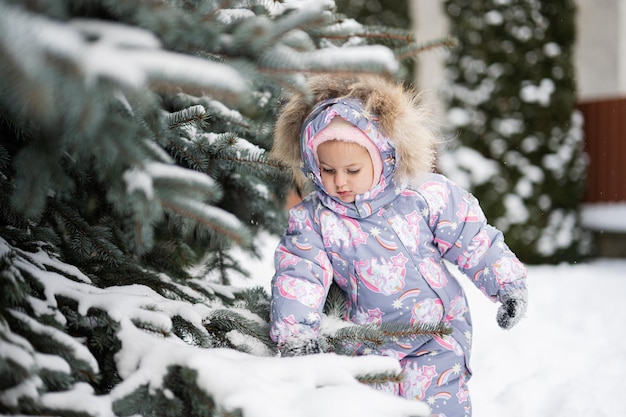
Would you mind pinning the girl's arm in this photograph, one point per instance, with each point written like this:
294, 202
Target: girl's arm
300, 285
464, 238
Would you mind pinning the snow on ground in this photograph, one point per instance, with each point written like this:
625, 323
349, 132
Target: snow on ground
608, 217
567, 358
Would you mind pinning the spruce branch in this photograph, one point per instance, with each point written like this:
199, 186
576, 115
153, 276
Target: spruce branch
211, 218
335, 304
193, 153
52, 340
400, 329
221, 321
372, 336
170, 178
373, 379
258, 164
152, 327
192, 114
412, 50
369, 334
341, 32
345, 338
169, 254
255, 300
189, 333
222, 262
180, 395
86, 241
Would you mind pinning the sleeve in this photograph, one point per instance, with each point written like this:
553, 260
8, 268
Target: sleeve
300, 284
464, 237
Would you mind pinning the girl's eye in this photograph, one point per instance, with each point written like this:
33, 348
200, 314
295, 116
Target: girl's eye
354, 171
328, 170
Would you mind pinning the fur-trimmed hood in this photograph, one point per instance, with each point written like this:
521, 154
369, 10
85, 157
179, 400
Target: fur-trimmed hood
401, 115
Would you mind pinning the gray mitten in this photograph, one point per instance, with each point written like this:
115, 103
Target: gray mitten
513, 307
299, 347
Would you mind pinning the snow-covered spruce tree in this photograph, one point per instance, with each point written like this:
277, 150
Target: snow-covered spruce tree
384, 13
132, 150
511, 105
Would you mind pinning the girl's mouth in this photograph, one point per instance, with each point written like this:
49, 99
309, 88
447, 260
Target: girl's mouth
345, 196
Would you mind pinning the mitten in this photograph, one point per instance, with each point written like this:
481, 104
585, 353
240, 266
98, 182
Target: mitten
513, 307
299, 347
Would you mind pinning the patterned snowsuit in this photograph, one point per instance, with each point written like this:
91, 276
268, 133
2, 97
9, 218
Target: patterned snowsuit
386, 252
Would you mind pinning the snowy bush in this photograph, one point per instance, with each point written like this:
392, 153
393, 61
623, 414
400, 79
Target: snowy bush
511, 100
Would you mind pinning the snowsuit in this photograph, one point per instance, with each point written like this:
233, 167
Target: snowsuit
386, 252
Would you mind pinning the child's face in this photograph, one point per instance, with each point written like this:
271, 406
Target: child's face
346, 169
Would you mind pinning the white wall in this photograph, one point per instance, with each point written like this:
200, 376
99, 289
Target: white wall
429, 23
599, 55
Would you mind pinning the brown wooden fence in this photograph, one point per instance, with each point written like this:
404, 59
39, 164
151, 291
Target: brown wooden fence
605, 143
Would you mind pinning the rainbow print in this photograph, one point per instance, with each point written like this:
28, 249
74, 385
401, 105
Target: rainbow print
368, 208
414, 292
445, 396
387, 244
334, 255
302, 246
445, 376
444, 223
478, 274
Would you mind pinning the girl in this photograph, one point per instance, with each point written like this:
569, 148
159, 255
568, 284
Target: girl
380, 224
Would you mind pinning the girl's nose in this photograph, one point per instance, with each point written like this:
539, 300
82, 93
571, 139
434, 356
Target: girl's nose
340, 179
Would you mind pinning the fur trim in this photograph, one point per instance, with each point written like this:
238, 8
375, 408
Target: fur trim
402, 115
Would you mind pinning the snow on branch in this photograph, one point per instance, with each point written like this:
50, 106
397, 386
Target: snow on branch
127, 55
165, 69
183, 180
114, 33
210, 217
373, 58
280, 387
258, 386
